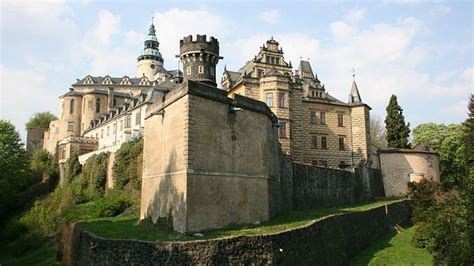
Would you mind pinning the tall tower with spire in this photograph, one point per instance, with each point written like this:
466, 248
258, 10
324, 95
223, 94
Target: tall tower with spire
150, 62
360, 123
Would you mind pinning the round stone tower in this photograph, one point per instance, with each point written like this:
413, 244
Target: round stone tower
150, 62
199, 58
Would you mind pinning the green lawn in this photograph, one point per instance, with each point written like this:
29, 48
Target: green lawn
394, 249
128, 227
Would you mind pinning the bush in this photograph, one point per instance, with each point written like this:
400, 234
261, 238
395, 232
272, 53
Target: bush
73, 168
43, 163
423, 195
421, 237
113, 206
127, 167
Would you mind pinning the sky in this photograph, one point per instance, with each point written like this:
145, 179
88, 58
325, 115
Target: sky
422, 51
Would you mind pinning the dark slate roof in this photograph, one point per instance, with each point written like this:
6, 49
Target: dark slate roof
72, 93
305, 67
354, 96
175, 73
332, 99
115, 81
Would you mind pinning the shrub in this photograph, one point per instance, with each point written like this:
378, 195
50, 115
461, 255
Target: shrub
423, 196
94, 176
111, 206
43, 163
73, 168
127, 167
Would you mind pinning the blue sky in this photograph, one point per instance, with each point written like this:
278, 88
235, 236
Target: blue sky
421, 51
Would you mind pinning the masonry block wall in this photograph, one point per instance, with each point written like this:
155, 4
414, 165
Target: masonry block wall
208, 165
360, 122
398, 165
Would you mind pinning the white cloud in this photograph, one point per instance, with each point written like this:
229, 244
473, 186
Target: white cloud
355, 15
270, 16
20, 99
174, 24
456, 109
134, 38
468, 74
341, 30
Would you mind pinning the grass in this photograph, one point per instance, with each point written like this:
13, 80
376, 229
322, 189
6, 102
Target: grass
394, 249
43, 255
127, 227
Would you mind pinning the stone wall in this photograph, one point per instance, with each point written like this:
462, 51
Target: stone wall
315, 187
399, 164
332, 240
34, 139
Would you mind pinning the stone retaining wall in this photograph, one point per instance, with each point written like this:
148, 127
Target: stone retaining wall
332, 240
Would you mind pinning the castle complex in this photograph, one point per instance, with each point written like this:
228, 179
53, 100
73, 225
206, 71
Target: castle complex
213, 157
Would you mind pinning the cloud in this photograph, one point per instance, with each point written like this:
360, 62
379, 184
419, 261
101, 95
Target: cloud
355, 15
456, 109
174, 24
439, 10
468, 74
20, 99
270, 16
340, 30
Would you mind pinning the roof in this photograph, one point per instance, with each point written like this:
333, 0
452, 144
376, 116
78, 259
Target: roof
114, 80
305, 69
72, 93
354, 96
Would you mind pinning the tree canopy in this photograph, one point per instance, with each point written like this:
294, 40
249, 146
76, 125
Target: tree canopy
396, 129
40, 120
447, 140
377, 132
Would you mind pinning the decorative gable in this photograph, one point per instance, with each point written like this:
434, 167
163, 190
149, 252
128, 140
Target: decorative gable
107, 81
125, 81
144, 81
88, 80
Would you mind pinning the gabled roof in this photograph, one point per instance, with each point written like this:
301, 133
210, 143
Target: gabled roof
99, 81
72, 93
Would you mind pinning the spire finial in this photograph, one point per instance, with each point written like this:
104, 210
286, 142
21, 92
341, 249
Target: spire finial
353, 74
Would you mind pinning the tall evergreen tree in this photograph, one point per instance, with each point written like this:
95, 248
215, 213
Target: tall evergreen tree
469, 134
397, 130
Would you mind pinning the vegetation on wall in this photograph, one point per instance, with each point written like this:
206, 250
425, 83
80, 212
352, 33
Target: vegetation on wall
40, 120
397, 131
127, 167
43, 163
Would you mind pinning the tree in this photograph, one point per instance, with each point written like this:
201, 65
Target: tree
468, 138
14, 166
447, 141
397, 130
40, 120
377, 132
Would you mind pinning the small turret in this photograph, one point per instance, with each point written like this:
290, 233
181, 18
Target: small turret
150, 62
199, 58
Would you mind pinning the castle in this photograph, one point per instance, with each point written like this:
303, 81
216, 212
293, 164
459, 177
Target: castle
228, 153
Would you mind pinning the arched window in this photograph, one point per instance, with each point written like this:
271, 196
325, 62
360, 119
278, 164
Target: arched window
97, 106
71, 106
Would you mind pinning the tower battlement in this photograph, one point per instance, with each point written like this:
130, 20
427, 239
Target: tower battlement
199, 57
189, 44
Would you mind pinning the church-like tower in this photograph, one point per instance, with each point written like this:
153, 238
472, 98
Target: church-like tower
150, 62
199, 58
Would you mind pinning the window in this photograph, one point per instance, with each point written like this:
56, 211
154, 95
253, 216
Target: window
138, 118
282, 130
71, 106
108, 131
313, 117
314, 163
115, 101
114, 128
282, 99
323, 163
341, 143
260, 73
200, 69
269, 99
102, 133
342, 164
97, 106
323, 118
96, 135
70, 126
188, 70
121, 124
212, 71
314, 142
340, 120
324, 143
128, 121
277, 61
